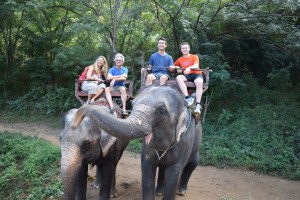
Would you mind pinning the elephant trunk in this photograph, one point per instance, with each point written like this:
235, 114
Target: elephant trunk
135, 126
73, 174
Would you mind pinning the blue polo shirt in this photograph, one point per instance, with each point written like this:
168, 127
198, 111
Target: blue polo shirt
115, 72
157, 60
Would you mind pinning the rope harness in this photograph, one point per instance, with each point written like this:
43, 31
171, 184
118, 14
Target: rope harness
176, 142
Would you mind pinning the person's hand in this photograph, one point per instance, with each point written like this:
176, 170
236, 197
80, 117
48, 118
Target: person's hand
187, 71
112, 82
172, 68
149, 69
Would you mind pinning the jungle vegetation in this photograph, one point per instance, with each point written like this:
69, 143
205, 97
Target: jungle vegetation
252, 46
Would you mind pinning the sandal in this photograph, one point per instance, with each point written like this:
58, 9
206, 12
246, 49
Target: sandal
112, 110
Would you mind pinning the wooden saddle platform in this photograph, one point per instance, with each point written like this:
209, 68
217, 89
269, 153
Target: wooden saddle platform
116, 95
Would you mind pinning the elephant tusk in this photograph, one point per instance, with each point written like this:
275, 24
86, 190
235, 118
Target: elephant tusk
148, 138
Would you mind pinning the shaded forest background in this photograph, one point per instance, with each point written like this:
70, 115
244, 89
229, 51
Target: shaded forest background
252, 46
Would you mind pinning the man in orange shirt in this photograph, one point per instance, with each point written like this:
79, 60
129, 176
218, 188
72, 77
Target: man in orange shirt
188, 62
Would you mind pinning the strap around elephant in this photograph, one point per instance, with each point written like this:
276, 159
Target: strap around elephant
176, 142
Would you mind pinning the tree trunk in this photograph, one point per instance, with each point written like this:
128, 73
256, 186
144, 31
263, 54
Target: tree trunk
115, 27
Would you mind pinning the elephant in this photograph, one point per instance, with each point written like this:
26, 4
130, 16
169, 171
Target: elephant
88, 144
171, 142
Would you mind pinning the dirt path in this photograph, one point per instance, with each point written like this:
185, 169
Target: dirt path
207, 183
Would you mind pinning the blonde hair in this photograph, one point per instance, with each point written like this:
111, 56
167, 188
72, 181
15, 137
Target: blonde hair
103, 70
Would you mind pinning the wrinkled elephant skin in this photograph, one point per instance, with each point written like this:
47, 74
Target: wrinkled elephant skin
88, 144
171, 137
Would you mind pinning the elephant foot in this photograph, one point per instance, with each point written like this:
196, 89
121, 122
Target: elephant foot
159, 192
113, 194
182, 191
95, 186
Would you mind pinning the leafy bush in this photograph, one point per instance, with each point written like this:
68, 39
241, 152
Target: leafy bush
29, 168
263, 137
51, 100
135, 145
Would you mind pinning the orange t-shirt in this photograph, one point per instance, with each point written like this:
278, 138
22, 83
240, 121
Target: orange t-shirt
187, 62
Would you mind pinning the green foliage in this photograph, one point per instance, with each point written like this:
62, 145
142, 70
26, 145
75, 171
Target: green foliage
29, 168
135, 145
51, 100
279, 79
263, 137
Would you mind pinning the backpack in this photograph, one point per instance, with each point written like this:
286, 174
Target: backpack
84, 73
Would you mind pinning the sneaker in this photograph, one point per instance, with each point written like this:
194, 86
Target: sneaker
112, 110
125, 113
198, 109
88, 102
189, 101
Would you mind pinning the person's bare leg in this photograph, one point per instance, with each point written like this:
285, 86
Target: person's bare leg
180, 80
150, 79
199, 89
163, 79
90, 97
123, 97
99, 92
108, 97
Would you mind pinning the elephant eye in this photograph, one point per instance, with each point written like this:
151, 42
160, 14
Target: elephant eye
85, 145
161, 109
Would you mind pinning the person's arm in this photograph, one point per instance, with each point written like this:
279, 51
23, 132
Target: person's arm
175, 65
194, 66
196, 63
121, 77
89, 75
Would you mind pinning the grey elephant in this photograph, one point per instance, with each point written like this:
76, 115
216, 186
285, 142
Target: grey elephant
171, 137
88, 144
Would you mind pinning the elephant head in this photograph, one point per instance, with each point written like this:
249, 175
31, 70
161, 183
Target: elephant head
158, 114
80, 147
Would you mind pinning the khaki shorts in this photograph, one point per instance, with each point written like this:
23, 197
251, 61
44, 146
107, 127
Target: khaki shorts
101, 85
117, 88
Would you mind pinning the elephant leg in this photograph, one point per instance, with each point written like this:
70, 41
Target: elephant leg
81, 184
160, 182
186, 174
113, 190
106, 179
172, 174
97, 182
148, 178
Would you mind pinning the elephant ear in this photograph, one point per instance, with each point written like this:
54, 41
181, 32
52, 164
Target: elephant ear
70, 116
106, 142
181, 124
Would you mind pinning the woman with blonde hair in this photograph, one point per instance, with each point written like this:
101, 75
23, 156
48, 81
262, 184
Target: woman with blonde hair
95, 78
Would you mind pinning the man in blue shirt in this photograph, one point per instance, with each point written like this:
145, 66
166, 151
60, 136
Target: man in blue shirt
117, 75
162, 61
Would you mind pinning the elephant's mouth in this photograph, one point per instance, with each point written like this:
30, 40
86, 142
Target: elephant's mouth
148, 138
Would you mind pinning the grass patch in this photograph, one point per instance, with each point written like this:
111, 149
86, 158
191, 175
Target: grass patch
264, 138
29, 168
